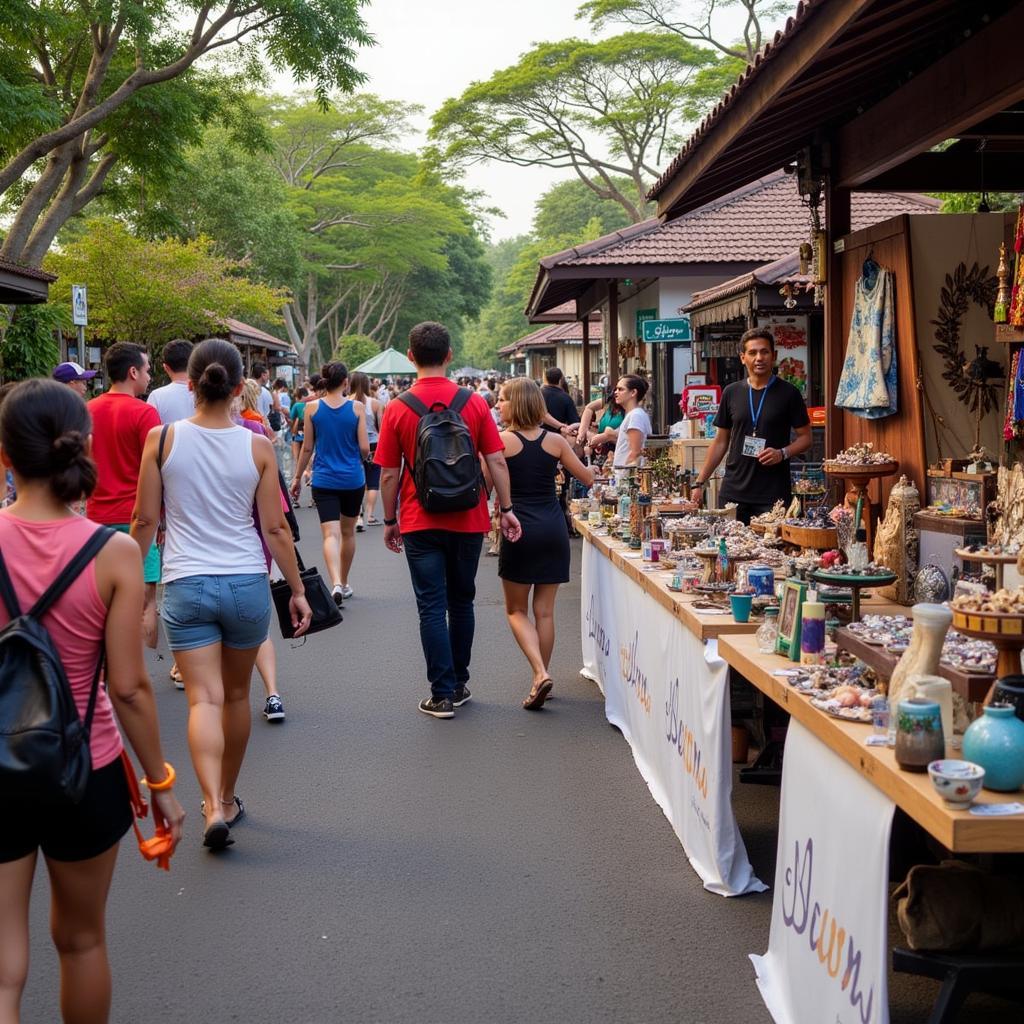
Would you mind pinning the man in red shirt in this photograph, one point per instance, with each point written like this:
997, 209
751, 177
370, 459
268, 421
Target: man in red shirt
442, 549
120, 423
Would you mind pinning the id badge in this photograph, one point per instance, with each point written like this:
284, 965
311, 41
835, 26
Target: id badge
753, 446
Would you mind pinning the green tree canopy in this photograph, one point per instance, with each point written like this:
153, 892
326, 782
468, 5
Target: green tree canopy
569, 206
354, 349
608, 110
86, 86
151, 291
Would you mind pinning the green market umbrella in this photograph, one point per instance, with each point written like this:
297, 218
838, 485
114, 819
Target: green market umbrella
388, 363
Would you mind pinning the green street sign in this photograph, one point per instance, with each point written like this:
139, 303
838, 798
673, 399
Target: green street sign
642, 317
678, 329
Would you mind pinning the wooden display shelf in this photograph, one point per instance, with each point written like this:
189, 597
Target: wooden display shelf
1007, 335
972, 686
913, 792
810, 537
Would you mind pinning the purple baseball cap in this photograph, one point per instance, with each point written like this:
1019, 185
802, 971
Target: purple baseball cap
67, 372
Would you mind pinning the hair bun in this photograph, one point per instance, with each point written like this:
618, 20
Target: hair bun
66, 448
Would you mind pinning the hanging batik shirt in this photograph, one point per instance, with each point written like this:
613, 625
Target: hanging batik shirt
867, 385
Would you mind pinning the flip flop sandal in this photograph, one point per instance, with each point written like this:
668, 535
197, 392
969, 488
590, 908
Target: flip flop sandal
237, 802
537, 696
218, 836
175, 674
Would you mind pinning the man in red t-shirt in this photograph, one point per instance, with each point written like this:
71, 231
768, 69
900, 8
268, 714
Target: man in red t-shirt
120, 423
442, 549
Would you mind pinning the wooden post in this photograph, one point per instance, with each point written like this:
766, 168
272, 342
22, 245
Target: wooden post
837, 224
612, 331
586, 359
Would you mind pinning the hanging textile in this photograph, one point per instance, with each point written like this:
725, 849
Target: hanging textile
1013, 425
1016, 315
867, 385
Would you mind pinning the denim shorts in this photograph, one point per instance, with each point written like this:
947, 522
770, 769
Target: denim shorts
231, 610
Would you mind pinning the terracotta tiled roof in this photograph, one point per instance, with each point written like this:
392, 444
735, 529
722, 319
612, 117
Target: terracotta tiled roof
33, 272
554, 334
254, 333
778, 272
764, 220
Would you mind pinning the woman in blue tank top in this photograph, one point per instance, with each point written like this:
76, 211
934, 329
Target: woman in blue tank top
335, 428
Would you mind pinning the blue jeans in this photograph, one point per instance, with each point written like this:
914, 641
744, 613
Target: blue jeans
443, 565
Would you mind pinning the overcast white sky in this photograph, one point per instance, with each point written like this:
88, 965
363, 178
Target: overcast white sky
430, 50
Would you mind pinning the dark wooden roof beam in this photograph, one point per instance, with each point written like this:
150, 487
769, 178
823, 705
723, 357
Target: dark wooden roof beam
977, 80
951, 172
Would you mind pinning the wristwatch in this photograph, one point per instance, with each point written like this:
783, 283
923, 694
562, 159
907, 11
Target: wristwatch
504, 509
784, 453
391, 522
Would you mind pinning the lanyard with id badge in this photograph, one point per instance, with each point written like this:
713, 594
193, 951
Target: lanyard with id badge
752, 444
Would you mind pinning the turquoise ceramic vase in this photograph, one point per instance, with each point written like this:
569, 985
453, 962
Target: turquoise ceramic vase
996, 742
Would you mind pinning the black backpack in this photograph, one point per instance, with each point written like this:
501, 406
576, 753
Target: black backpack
44, 745
446, 469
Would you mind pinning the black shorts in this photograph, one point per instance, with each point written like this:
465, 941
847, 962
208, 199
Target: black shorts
372, 474
331, 505
68, 831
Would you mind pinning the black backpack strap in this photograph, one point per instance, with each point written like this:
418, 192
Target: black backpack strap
160, 447
10, 598
89, 550
412, 402
94, 692
458, 403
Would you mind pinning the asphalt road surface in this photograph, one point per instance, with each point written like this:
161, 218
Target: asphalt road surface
506, 866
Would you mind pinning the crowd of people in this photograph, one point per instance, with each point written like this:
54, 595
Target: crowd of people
187, 488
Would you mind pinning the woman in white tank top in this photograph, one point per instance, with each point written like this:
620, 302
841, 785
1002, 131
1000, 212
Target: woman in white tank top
216, 607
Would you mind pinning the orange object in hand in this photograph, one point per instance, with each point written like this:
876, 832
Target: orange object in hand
159, 847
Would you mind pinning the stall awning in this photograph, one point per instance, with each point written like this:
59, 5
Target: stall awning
737, 298
247, 336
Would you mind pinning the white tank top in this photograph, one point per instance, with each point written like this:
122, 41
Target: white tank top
210, 481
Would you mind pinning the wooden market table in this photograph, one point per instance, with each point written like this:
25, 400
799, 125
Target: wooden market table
654, 583
913, 792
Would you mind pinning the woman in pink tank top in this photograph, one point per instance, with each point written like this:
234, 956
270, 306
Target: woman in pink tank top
44, 428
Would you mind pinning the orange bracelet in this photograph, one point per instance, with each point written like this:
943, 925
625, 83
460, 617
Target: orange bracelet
159, 787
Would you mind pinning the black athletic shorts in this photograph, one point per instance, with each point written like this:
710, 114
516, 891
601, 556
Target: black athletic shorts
331, 505
68, 831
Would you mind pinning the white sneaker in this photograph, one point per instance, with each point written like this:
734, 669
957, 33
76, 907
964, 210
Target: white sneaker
338, 593
346, 592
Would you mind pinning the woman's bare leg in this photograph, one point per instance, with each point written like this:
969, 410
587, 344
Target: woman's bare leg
266, 665
237, 673
332, 550
348, 546
15, 890
517, 609
544, 595
78, 925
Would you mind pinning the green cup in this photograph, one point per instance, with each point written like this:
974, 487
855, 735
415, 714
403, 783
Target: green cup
741, 606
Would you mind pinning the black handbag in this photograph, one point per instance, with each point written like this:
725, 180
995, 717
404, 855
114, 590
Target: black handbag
325, 612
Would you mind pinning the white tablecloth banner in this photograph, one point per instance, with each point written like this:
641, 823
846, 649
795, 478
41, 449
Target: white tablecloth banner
669, 695
827, 951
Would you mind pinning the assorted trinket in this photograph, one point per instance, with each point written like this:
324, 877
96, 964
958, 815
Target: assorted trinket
858, 456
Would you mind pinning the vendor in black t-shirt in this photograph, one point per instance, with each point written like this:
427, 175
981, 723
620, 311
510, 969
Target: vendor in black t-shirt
756, 422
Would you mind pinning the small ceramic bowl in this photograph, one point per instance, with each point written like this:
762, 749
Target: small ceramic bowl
957, 782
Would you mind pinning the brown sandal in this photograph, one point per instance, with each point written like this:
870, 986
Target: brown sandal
538, 695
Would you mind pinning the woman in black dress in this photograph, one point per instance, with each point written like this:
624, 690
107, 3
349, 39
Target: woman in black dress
540, 558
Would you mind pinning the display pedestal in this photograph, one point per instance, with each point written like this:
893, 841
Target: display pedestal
857, 479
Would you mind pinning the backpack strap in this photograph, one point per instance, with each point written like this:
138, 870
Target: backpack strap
10, 598
458, 403
160, 447
89, 550
410, 401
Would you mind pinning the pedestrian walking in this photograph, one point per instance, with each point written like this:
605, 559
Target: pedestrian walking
120, 424
442, 547
216, 606
539, 560
334, 428
45, 429
75, 376
360, 390
264, 400
636, 424
174, 401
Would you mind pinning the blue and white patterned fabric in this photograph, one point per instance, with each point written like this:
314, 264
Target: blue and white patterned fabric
867, 385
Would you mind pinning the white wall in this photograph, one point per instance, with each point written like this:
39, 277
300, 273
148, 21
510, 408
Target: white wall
938, 244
